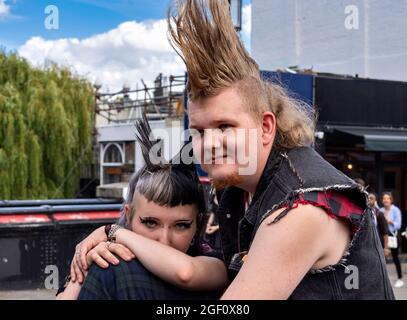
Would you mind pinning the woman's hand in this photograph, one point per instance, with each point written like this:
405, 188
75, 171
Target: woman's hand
102, 254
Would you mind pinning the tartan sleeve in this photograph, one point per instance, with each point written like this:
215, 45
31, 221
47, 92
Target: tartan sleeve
97, 283
337, 204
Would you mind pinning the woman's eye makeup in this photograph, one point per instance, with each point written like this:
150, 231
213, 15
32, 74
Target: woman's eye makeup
148, 222
152, 223
183, 225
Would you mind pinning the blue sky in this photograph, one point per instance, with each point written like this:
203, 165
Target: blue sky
78, 18
112, 42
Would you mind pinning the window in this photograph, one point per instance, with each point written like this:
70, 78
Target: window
113, 154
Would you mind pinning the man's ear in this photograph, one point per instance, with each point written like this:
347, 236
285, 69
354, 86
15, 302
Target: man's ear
269, 126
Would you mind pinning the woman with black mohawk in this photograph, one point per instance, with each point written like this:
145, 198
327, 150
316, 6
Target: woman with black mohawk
160, 226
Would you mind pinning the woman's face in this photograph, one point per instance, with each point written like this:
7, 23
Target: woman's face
386, 200
174, 226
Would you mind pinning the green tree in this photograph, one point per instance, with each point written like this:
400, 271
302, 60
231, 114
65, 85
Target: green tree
45, 129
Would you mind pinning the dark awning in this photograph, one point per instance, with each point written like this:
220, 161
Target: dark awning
377, 139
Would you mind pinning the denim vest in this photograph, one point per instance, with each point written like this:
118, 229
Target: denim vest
360, 274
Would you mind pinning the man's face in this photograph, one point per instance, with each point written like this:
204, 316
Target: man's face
371, 200
226, 138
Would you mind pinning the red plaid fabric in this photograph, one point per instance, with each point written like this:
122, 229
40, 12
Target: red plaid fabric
336, 204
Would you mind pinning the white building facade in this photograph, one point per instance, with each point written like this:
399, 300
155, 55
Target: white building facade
364, 37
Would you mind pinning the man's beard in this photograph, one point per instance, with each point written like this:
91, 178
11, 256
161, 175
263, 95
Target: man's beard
232, 180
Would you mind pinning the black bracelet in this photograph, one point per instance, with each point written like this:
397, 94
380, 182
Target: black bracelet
107, 230
111, 237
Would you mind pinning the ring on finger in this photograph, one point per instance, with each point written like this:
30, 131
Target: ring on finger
108, 244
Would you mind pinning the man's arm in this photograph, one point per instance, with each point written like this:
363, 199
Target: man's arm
283, 253
383, 227
81, 262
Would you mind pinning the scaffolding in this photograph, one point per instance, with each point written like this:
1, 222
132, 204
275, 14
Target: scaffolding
165, 99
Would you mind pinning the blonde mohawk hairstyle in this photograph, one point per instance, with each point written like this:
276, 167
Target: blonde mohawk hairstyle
203, 35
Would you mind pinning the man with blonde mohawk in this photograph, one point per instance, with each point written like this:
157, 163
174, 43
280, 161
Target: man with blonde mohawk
307, 232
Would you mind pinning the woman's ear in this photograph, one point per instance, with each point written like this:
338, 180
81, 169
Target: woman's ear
127, 211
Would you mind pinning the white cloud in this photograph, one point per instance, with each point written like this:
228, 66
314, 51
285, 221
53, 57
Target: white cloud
124, 55
247, 25
247, 20
4, 8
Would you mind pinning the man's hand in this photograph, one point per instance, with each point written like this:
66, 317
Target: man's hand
94, 248
79, 264
102, 254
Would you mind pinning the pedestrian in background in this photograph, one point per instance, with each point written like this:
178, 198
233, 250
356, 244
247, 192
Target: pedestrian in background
393, 217
381, 223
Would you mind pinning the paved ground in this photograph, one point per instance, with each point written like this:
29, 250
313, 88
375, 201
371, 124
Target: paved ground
28, 295
401, 294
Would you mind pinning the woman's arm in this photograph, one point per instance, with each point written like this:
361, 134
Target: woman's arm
174, 266
283, 253
396, 219
71, 291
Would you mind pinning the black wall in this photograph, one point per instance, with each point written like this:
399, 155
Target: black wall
362, 102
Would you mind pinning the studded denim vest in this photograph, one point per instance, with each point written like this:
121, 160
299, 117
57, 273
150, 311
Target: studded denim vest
360, 274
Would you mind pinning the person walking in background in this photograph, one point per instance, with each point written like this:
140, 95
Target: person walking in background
212, 224
381, 223
393, 218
